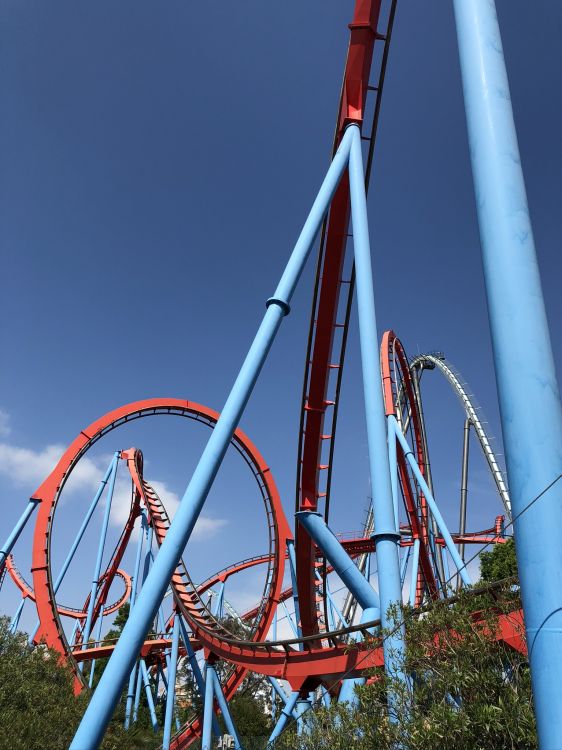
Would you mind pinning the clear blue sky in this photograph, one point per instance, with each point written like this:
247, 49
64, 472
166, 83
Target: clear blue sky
157, 162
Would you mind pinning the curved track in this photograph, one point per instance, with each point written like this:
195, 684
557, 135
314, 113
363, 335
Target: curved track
430, 362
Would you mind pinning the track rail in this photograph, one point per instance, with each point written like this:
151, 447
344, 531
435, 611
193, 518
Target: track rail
432, 361
332, 295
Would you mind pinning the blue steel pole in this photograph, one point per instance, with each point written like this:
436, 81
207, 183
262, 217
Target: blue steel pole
385, 533
293, 571
6, 548
415, 570
101, 546
171, 691
79, 535
290, 620
134, 584
195, 669
286, 714
100, 709
393, 465
350, 575
15, 621
448, 539
404, 565
342, 563
137, 694
528, 392
208, 711
223, 705
98, 639
302, 707
149, 698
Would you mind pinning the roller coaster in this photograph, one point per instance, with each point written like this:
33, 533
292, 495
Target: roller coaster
418, 559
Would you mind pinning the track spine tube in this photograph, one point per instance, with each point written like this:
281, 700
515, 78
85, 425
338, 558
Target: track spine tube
528, 392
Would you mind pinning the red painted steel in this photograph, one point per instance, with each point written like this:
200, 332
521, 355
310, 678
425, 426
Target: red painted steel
363, 33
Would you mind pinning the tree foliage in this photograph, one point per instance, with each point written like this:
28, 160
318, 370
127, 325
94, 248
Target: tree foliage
467, 690
499, 563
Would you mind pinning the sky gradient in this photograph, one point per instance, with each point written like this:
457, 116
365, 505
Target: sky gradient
157, 163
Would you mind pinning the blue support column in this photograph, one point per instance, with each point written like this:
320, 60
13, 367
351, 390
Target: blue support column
15, 621
6, 548
100, 709
148, 692
293, 571
101, 546
393, 465
528, 391
134, 585
137, 694
286, 714
342, 563
404, 564
196, 671
98, 639
223, 705
171, 689
293, 625
208, 711
415, 570
302, 707
220, 601
79, 535
440, 521
385, 534
350, 575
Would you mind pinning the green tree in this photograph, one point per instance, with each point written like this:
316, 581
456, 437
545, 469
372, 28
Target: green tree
499, 563
468, 690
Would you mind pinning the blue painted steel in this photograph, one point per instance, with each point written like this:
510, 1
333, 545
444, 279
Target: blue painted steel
293, 571
223, 705
278, 689
415, 570
148, 691
447, 582
342, 563
448, 539
100, 709
302, 708
347, 691
286, 714
196, 670
134, 584
528, 391
79, 536
290, 620
208, 711
385, 534
15, 621
393, 476
137, 694
98, 639
171, 687
101, 546
220, 601
6, 548
350, 575
404, 565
